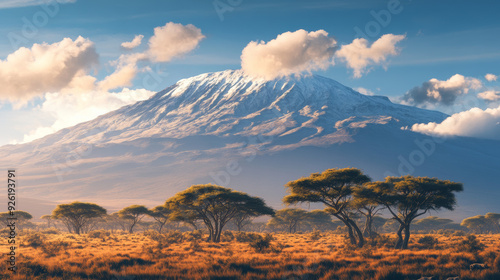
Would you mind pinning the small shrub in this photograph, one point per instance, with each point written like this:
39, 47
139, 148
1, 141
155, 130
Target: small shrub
261, 244
227, 236
51, 231
315, 235
496, 263
52, 248
246, 236
101, 234
428, 241
471, 244
34, 239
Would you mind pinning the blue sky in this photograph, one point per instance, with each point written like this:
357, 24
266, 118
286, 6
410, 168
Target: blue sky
443, 38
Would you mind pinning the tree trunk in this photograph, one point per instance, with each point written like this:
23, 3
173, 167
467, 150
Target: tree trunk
407, 237
361, 240
399, 242
351, 234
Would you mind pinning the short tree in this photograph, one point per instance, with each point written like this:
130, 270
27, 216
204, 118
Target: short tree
288, 219
133, 214
77, 215
161, 215
368, 207
479, 224
432, 223
334, 188
408, 198
320, 220
216, 205
48, 218
22, 217
495, 221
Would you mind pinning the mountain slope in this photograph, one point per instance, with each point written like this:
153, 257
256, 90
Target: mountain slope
253, 135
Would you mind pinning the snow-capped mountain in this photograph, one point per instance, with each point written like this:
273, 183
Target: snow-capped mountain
249, 134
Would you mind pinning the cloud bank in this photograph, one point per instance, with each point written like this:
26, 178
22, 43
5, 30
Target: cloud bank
73, 108
435, 92
27, 73
359, 56
290, 53
137, 41
472, 123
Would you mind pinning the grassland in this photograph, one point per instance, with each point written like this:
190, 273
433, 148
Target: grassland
148, 255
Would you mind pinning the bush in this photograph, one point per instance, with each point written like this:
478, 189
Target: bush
51, 231
428, 241
98, 234
246, 236
315, 235
471, 244
52, 248
261, 244
34, 239
227, 236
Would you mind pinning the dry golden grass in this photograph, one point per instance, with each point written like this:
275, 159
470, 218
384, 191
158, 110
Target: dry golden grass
291, 256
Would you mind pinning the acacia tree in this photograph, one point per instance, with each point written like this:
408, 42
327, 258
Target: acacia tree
161, 215
320, 220
432, 223
495, 220
479, 224
22, 217
133, 214
368, 207
77, 215
241, 220
216, 205
289, 219
408, 198
48, 218
333, 188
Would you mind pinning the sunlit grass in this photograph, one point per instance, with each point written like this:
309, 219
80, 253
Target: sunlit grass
105, 255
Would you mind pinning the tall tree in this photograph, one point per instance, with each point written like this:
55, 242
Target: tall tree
161, 215
77, 215
216, 205
133, 214
333, 188
288, 219
408, 198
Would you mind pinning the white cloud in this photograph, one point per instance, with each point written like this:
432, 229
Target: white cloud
490, 77
125, 72
5, 4
28, 73
290, 53
364, 91
72, 108
359, 56
173, 40
472, 123
490, 95
134, 43
446, 92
